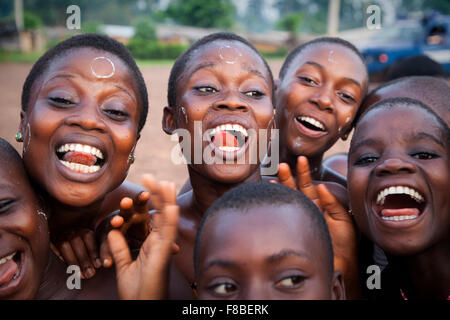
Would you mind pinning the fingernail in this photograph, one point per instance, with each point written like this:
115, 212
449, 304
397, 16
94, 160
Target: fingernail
106, 263
98, 263
89, 272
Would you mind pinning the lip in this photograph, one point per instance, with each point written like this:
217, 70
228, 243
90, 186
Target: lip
11, 286
308, 132
401, 223
79, 176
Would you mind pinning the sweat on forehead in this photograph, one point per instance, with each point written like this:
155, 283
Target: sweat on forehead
324, 40
261, 194
94, 41
183, 60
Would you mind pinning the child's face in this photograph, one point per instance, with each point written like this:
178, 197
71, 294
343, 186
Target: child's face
225, 84
264, 253
24, 242
399, 180
71, 107
319, 97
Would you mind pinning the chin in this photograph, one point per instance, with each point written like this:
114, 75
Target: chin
229, 173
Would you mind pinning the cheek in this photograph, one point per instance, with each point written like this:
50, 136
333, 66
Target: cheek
124, 139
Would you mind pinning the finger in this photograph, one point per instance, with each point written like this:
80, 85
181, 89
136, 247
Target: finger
126, 208
285, 176
273, 181
168, 192
82, 255
117, 221
119, 250
331, 205
175, 248
141, 202
304, 181
67, 254
91, 244
153, 186
105, 254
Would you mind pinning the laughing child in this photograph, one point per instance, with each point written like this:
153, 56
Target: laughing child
237, 256
398, 180
84, 104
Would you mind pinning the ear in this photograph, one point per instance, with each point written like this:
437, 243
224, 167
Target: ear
23, 122
347, 132
168, 120
337, 287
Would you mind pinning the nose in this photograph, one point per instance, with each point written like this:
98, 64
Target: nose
256, 291
322, 99
87, 117
394, 166
231, 102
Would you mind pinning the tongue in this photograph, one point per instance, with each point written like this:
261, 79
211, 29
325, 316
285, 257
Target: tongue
80, 157
400, 212
225, 139
7, 271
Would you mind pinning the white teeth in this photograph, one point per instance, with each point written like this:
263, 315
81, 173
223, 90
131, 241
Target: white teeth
81, 148
80, 167
314, 122
7, 258
228, 149
399, 218
398, 190
229, 127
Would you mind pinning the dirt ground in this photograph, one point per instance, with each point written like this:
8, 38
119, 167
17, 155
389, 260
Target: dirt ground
153, 149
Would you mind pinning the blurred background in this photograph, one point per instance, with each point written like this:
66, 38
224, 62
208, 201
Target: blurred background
387, 32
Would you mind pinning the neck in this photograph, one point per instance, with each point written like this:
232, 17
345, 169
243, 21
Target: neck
53, 284
206, 191
425, 275
65, 216
315, 163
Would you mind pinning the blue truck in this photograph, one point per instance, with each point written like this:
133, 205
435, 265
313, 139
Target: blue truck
429, 36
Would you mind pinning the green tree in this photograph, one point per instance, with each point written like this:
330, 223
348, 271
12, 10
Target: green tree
31, 21
145, 29
204, 14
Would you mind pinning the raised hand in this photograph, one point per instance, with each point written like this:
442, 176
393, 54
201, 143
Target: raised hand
147, 276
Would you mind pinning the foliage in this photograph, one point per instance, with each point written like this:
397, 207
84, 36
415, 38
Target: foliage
31, 21
143, 49
290, 22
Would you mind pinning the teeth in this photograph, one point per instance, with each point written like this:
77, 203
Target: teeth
229, 127
81, 148
7, 258
228, 149
399, 218
314, 122
398, 190
80, 167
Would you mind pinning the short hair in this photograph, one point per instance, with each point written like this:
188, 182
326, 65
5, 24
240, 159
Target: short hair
258, 194
332, 40
89, 40
391, 103
8, 153
434, 90
182, 61
418, 65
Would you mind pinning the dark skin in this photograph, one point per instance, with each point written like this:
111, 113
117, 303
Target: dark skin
69, 104
292, 264
388, 151
42, 275
326, 82
217, 93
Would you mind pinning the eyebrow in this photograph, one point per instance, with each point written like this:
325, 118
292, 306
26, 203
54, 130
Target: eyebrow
283, 254
220, 263
425, 136
357, 145
126, 91
207, 64
315, 64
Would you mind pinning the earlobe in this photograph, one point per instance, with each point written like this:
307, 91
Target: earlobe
338, 288
345, 136
168, 120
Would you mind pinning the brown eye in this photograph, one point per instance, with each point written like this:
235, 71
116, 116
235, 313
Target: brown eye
206, 89
308, 80
5, 204
60, 101
224, 288
290, 282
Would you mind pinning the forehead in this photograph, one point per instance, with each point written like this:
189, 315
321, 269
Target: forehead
335, 58
12, 176
226, 52
260, 230
389, 123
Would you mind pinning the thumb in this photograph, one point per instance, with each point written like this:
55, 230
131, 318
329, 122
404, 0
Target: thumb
119, 250
331, 205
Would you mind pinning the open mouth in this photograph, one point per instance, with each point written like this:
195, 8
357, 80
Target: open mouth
399, 203
80, 158
311, 123
10, 268
229, 137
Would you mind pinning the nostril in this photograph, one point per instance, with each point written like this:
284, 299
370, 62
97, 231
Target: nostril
242, 108
222, 106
